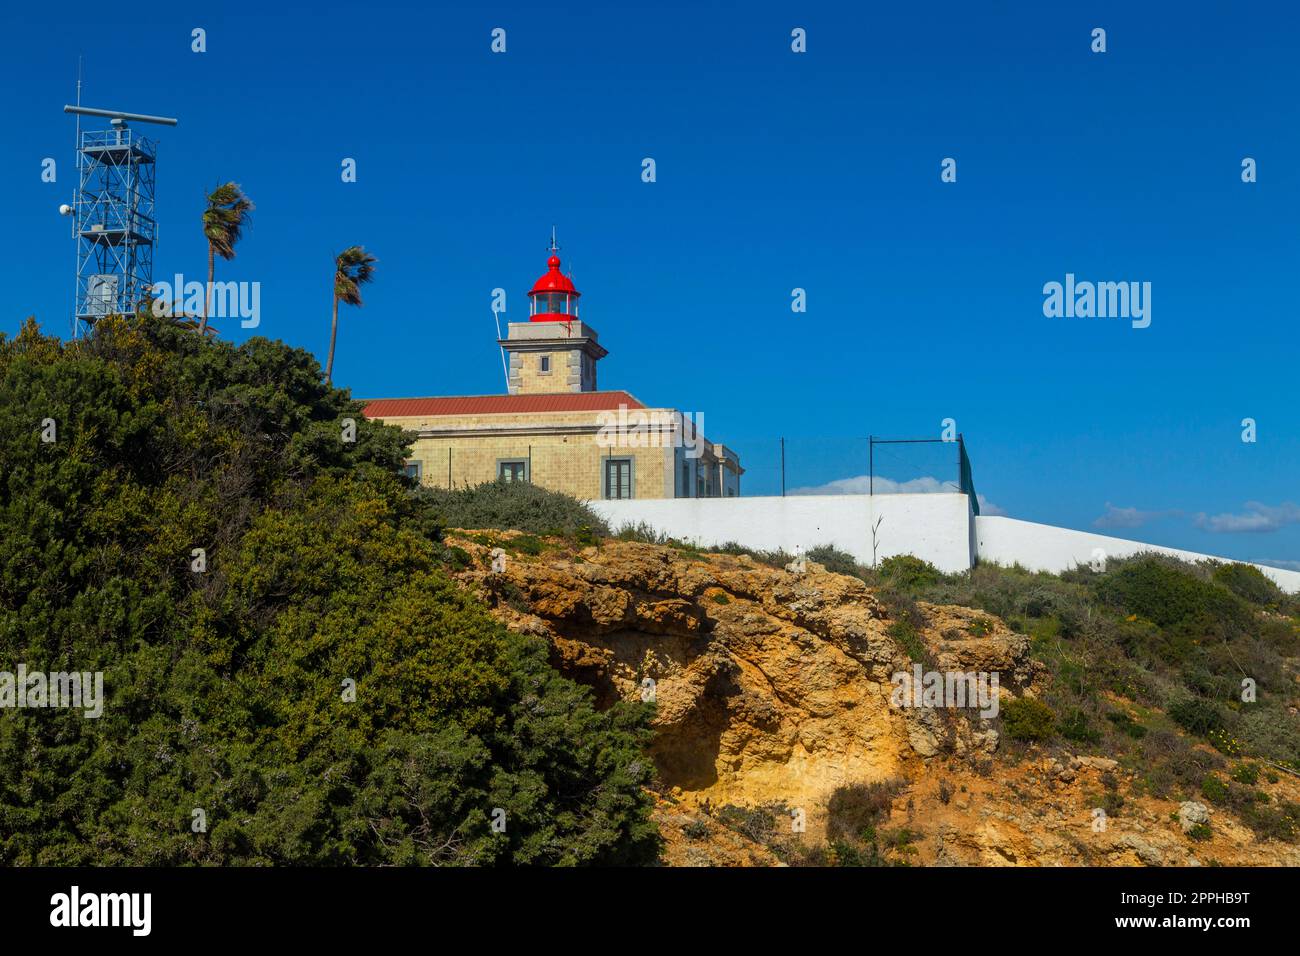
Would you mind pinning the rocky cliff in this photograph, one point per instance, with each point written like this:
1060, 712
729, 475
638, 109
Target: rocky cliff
773, 691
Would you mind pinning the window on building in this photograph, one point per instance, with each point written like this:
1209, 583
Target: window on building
546, 363
413, 470
618, 477
551, 303
513, 470
686, 479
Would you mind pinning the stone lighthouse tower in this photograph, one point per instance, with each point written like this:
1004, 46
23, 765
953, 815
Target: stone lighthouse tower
554, 351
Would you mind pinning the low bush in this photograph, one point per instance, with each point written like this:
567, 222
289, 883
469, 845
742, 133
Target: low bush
1196, 715
642, 532
1249, 583
1214, 789
1027, 719
854, 810
513, 505
1247, 773
1126, 725
1076, 726
839, 562
909, 641
909, 573
1168, 594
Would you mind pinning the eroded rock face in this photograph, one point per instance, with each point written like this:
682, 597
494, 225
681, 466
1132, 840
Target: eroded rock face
773, 688
771, 685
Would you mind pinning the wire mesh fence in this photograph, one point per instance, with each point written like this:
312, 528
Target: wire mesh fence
867, 465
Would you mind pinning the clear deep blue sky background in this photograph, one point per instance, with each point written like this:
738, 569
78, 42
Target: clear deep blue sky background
775, 170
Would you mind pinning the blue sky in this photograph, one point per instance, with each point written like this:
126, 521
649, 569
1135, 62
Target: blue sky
775, 170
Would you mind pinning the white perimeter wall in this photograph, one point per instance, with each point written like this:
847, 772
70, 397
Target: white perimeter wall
934, 527
938, 528
1042, 547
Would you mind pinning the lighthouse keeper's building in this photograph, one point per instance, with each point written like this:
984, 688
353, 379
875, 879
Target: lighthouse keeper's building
555, 427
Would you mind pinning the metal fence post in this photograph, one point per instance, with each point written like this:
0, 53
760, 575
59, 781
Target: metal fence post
961, 460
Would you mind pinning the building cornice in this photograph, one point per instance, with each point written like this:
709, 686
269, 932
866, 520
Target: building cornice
590, 346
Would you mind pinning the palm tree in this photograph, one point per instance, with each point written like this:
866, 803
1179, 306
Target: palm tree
353, 268
223, 225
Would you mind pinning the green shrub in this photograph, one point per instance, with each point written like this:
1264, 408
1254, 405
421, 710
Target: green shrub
1028, 719
1196, 715
1248, 582
909, 641
1170, 764
513, 506
226, 689
854, 810
457, 558
642, 532
1265, 732
1168, 595
1269, 823
1247, 773
525, 544
775, 559
838, 562
1112, 802
1214, 789
696, 830
1075, 726
909, 573
1126, 725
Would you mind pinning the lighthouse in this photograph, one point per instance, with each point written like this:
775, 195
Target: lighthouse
554, 351
555, 428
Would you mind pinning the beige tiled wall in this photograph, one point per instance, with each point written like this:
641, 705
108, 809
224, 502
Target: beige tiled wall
569, 463
572, 464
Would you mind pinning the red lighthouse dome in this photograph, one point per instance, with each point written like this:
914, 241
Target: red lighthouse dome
553, 297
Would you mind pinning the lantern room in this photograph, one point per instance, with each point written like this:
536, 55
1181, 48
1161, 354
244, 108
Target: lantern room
553, 297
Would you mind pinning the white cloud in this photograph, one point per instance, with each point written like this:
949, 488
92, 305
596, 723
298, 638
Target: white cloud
1129, 517
863, 484
1257, 518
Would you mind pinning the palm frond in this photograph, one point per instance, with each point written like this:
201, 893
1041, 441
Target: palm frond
225, 217
353, 268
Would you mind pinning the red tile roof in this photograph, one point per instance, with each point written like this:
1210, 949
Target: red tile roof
499, 404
